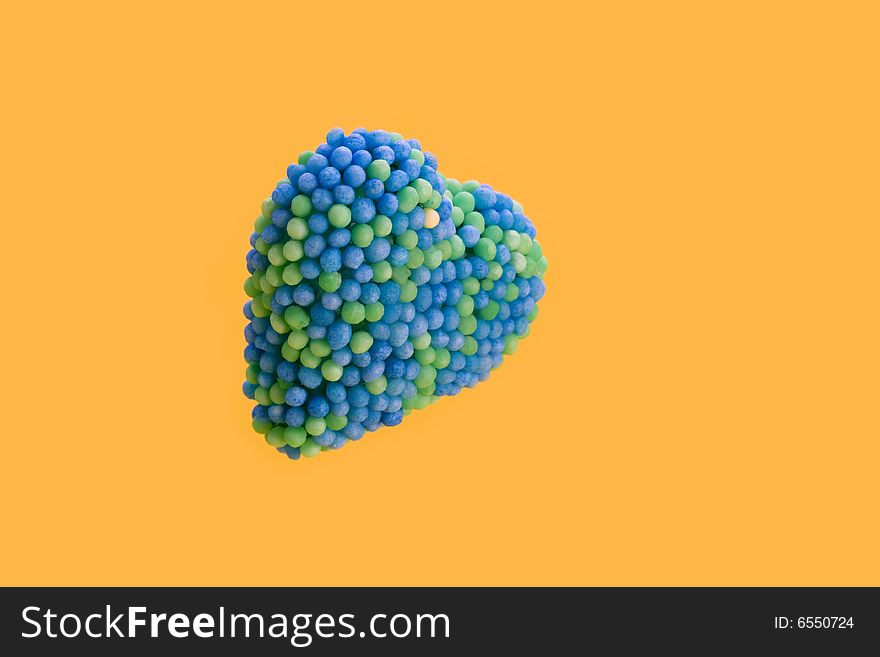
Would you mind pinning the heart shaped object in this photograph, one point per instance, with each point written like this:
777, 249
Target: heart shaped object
377, 286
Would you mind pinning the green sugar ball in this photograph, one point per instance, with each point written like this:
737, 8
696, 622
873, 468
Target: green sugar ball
339, 215
361, 341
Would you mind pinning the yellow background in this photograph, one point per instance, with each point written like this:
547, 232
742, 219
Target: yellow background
697, 403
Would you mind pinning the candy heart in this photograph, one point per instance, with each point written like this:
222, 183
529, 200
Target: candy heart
377, 286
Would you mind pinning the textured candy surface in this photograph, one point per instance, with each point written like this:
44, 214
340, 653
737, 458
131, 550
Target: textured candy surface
377, 286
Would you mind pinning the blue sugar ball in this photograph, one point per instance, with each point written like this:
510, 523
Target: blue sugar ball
505, 220
261, 343
425, 238
283, 195
378, 249
361, 158
336, 392
358, 414
341, 356
439, 338
341, 157
281, 216
325, 439
412, 370
415, 143
444, 210
484, 198
411, 168
318, 406
416, 218
379, 331
265, 379
434, 318
379, 138
268, 362
276, 412
331, 301
380, 351
272, 234
394, 368
387, 204
379, 402
423, 299
358, 396
363, 210
353, 258
314, 245
260, 413
295, 417
340, 409
307, 183
391, 314
398, 333
339, 441
331, 260
407, 312
398, 256
286, 371
469, 235
373, 188
370, 293
322, 199
420, 275
353, 430
391, 419
339, 238
310, 268
335, 136
373, 421
389, 293
284, 295
504, 202
338, 334
249, 333
401, 149
364, 273
260, 324
384, 153
361, 360
454, 292
294, 171
397, 181
248, 310
249, 389
399, 224
310, 378
354, 176
293, 453
329, 177
431, 160
373, 371
479, 267
316, 162
318, 223
320, 316
355, 142
351, 375
344, 194
257, 260
324, 149
350, 290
